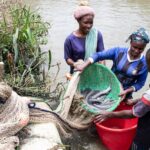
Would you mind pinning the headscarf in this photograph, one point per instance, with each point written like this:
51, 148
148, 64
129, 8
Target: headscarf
83, 10
140, 35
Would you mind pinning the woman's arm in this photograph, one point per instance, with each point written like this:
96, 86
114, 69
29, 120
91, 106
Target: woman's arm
141, 80
68, 52
125, 92
118, 114
83, 66
100, 46
105, 54
132, 101
100, 43
70, 62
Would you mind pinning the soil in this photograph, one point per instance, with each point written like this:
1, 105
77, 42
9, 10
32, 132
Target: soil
85, 140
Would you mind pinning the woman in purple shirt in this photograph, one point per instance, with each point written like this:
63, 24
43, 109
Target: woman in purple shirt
85, 40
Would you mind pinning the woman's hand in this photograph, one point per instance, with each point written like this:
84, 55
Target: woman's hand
79, 68
102, 117
82, 66
129, 102
125, 92
132, 101
123, 95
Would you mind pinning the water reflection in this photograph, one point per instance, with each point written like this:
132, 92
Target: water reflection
116, 19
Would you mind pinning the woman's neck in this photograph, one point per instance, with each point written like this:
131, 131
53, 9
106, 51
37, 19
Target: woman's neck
79, 33
133, 57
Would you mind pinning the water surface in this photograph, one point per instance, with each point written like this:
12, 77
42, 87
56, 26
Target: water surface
116, 19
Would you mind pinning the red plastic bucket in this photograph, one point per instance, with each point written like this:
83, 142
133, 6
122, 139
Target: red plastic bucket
117, 134
123, 106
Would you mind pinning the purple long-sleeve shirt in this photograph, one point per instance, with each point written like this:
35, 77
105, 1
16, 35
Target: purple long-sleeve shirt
74, 47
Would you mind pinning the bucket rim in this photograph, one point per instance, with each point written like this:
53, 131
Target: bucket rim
115, 130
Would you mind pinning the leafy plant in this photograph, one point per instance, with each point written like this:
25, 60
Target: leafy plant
22, 31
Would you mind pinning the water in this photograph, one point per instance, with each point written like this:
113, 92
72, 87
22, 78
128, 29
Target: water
116, 19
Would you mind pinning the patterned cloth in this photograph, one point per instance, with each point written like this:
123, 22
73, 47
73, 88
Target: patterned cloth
146, 98
129, 73
140, 35
142, 111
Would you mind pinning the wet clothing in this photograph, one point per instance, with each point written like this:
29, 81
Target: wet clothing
142, 111
131, 73
74, 47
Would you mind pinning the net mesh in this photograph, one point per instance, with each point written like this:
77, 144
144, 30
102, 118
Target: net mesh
99, 77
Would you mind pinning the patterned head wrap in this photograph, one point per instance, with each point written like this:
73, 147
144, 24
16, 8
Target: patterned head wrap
82, 11
140, 35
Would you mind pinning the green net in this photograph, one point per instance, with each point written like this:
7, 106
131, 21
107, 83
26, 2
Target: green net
99, 77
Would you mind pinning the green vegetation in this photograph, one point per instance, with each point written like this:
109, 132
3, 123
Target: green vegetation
22, 31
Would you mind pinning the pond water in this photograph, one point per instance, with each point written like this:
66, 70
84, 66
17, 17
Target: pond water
116, 19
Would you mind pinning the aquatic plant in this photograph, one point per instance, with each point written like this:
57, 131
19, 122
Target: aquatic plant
22, 31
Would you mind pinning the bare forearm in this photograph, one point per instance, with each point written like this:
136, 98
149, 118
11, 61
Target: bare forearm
70, 62
83, 66
122, 114
87, 63
125, 92
117, 114
130, 90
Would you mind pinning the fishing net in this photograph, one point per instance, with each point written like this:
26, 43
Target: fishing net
16, 112
14, 115
70, 116
99, 77
72, 107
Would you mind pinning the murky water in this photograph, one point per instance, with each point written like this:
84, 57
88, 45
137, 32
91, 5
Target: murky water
116, 19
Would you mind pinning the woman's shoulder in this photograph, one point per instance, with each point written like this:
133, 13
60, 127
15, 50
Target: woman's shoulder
120, 49
99, 33
70, 36
143, 59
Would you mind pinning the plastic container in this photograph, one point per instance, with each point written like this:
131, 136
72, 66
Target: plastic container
117, 134
99, 77
123, 106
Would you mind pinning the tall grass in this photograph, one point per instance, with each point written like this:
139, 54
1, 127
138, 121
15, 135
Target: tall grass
22, 31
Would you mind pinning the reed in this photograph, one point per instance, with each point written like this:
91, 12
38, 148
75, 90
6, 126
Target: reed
22, 32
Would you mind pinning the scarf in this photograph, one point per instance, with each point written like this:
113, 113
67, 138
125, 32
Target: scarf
91, 43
